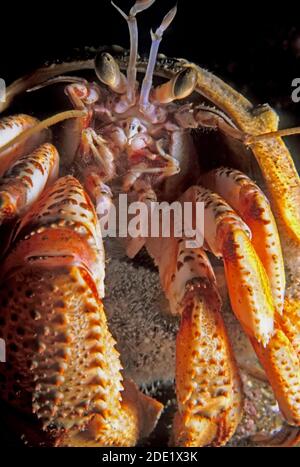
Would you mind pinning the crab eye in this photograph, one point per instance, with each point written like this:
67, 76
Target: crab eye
108, 72
179, 87
185, 83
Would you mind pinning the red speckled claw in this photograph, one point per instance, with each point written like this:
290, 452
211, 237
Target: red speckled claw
69, 370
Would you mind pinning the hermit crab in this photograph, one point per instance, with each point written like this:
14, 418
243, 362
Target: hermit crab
135, 125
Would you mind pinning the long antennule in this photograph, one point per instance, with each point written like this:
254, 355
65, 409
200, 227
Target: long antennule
60, 117
156, 40
138, 7
252, 139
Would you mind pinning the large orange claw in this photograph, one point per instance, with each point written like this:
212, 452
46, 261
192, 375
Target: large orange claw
207, 382
58, 341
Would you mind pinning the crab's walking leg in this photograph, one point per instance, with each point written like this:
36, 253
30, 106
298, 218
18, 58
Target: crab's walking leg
252, 205
281, 361
94, 149
252, 302
100, 193
207, 383
69, 370
10, 128
288, 436
24, 182
282, 366
147, 196
203, 116
274, 159
228, 237
290, 323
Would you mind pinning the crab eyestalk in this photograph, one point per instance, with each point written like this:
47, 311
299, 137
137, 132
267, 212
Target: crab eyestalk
179, 87
108, 72
145, 105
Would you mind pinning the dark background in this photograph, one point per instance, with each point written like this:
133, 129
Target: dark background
254, 46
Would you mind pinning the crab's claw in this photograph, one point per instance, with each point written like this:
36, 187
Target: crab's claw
207, 382
69, 372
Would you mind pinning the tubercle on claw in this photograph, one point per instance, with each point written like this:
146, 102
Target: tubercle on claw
250, 295
208, 387
228, 237
281, 364
71, 372
252, 205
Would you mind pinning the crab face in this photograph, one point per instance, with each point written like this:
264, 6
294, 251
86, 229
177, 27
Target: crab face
140, 134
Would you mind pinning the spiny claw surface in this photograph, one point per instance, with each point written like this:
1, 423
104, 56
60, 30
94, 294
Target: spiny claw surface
59, 344
252, 205
207, 382
208, 387
290, 323
282, 367
249, 289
